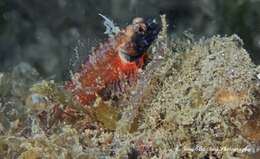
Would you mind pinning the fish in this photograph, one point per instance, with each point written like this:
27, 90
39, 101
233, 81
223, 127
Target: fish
115, 63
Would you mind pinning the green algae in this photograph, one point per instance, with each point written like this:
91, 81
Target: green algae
106, 114
49, 89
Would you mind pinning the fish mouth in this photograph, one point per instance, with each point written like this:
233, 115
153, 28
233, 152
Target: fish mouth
144, 39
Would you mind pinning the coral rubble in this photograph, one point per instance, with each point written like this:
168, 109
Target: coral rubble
195, 99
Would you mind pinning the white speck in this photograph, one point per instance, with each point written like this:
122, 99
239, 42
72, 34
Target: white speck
133, 92
258, 76
36, 99
160, 57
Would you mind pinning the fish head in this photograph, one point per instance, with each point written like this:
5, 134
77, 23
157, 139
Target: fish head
146, 31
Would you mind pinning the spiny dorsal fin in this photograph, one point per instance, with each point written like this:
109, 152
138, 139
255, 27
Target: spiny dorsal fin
111, 28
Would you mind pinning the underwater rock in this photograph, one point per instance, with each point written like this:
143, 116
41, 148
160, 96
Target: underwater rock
23, 76
211, 97
14, 88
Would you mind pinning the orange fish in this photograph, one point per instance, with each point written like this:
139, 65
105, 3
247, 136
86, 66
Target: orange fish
115, 62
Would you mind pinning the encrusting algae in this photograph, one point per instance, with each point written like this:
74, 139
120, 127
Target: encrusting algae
193, 99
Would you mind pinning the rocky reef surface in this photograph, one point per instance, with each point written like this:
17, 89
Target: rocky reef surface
195, 99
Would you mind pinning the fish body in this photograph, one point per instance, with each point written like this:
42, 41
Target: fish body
115, 62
